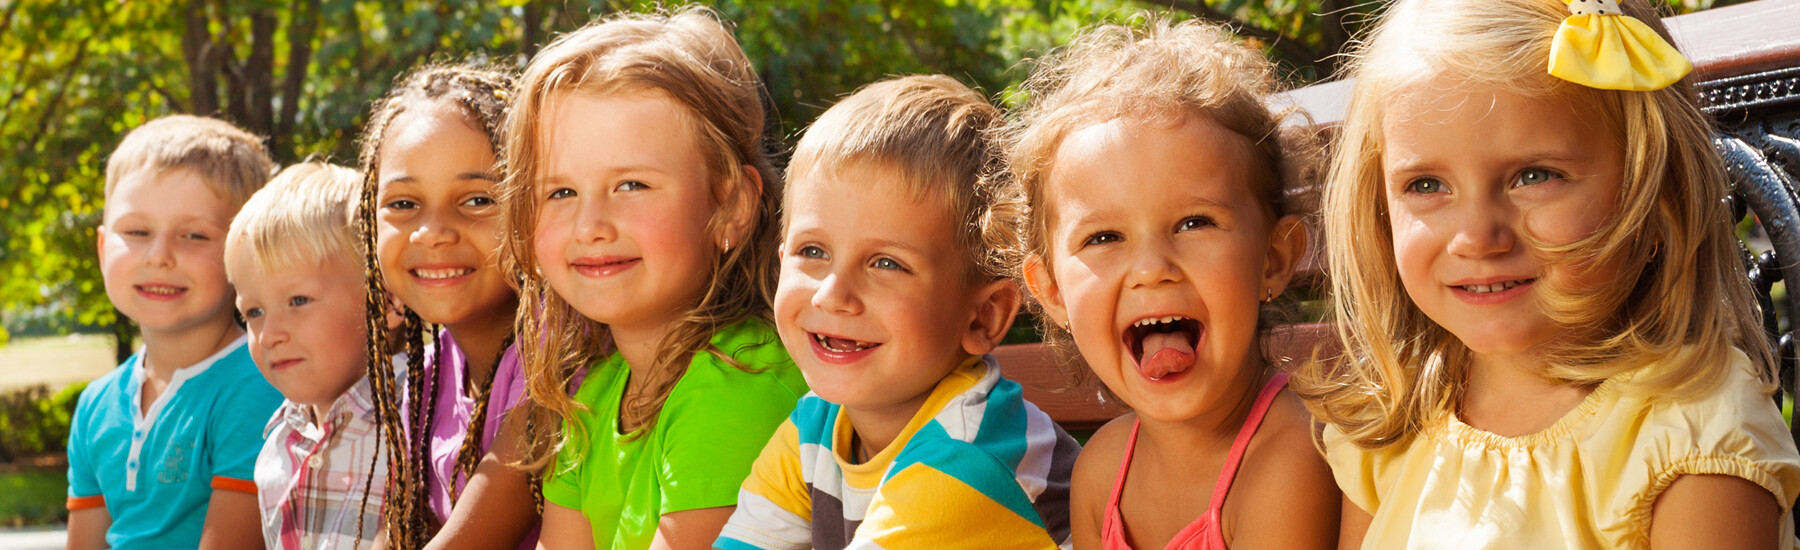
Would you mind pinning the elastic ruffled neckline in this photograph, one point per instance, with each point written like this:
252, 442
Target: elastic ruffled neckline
1557, 431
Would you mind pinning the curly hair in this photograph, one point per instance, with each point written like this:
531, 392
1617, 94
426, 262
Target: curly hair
1159, 70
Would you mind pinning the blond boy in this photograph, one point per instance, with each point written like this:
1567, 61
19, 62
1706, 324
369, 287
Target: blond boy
298, 268
889, 300
161, 449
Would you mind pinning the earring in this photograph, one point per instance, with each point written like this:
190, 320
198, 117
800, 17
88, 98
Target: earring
1270, 297
727, 244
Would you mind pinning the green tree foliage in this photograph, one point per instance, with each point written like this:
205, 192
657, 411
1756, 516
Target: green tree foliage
75, 75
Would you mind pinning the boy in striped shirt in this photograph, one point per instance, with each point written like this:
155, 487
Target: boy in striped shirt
297, 264
889, 300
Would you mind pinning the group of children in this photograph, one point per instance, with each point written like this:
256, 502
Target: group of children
583, 309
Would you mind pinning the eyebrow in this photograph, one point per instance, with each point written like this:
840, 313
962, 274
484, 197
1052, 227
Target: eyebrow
465, 176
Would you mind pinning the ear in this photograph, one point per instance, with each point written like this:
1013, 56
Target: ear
100, 245
996, 304
747, 201
1043, 288
1287, 246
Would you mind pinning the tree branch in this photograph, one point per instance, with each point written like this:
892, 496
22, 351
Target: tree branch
1292, 48
55, 103
300, 44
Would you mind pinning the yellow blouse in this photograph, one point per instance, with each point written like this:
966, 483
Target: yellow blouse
1586, 482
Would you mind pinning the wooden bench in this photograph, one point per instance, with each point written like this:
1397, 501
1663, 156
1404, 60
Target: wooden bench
1747, 57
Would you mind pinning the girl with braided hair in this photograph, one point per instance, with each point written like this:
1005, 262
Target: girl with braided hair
429, 213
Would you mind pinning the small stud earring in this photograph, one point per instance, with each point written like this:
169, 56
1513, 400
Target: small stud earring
727, 244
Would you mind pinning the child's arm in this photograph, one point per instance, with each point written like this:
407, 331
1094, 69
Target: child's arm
691, 529
564, 528
87, 528
1352, 526
495, 509
1284, 495
1714, 511
231, 522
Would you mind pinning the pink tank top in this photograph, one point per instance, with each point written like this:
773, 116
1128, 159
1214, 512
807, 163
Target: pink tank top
1204, 533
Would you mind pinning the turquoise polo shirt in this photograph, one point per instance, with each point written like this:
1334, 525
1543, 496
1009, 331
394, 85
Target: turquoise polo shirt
154, 469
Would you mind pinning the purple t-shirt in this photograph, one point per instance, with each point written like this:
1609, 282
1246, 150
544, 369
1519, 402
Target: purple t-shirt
454, 411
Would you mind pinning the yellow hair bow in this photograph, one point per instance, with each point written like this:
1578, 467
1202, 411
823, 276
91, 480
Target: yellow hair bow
1600, 47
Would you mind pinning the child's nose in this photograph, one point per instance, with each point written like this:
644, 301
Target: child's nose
1152, 263
1483, 232
161, 252
435, 230
836, 296
593, 224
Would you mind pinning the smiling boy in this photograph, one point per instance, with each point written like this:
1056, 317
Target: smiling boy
161, 449
889, 300
297, 265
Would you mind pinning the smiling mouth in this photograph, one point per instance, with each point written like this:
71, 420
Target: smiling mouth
161, 290
1163, 346
841, 345
1496, 287
440, 274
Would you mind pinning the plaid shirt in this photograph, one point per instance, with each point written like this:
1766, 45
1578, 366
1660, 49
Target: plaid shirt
310, 477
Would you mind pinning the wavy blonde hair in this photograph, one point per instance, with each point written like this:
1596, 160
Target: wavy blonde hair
1158, 71
300, 218
1682, 302
690, 56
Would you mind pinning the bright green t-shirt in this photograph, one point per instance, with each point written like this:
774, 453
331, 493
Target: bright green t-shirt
710, 430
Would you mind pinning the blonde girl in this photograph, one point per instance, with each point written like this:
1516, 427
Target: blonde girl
1549, 336
430, 152
641, 209
1161, 229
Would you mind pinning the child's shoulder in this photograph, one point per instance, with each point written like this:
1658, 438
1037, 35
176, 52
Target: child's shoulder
1097, 467
1284, 494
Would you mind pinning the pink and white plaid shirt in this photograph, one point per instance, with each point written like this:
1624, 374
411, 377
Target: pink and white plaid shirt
310, 477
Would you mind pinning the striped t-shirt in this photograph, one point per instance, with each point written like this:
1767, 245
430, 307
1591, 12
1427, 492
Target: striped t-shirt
976, 467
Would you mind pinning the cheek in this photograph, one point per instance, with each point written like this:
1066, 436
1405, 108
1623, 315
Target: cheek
550, 234
484, 233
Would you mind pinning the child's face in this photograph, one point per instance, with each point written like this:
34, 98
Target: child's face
875, 302
1467, 176
307, 331
1156, 220
438, 225
162, 250
623, 208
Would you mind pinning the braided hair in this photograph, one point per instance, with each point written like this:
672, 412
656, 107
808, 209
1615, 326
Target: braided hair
482, 96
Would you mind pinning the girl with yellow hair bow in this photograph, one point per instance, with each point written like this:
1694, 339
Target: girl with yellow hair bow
1549, 337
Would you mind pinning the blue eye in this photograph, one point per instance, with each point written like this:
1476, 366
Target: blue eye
561, 193
631, 186
811, 252
1425, 186
1103, 237
253, 313
1534, 176
298, 301
887, 263
1196, 222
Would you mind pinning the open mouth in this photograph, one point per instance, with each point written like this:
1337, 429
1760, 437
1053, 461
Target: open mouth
1163, 346
441, 274
841, 345
1501, 286
160, 290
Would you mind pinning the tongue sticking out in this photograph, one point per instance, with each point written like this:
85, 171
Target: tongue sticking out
1166, 353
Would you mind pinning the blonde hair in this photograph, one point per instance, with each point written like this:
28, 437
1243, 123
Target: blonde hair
934, 132
1159, 72
691, 57
232, 161
300, 219
1684, 309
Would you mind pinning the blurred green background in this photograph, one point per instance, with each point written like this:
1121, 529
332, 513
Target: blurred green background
75, 75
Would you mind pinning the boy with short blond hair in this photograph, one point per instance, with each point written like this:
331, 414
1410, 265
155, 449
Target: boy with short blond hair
162, 449
298, 268
889, 300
